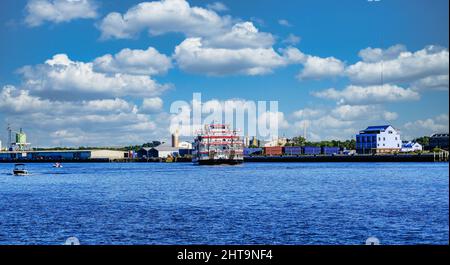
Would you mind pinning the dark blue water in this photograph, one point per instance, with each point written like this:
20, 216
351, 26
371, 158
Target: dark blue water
255, 203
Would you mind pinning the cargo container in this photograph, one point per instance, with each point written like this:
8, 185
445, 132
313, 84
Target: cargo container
311, 150
273, 151
252, 151
330, 150
292, 150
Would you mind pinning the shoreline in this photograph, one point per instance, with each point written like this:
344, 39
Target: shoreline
258, 159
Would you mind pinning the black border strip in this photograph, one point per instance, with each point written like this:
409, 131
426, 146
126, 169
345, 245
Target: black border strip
280, 254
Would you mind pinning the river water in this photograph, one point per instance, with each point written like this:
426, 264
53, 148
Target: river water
253, 203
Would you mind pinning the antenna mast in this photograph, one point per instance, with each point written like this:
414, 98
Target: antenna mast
382, 60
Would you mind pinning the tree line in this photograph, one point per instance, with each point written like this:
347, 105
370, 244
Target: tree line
301, 141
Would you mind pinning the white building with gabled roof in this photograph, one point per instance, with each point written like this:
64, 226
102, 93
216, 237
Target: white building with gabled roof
378, 139
411, 147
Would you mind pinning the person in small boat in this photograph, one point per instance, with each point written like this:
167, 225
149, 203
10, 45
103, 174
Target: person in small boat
20, 170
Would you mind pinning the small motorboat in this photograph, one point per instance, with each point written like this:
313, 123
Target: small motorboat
20, 170
58, 165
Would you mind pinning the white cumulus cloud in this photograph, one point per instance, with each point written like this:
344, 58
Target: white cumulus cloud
191, 56
150, 105
307, 113
435, 82
368, 95
60, 77
137, 62
341, 122
317, 68
428, 126
404, 67
217, 6
363, 112
99, 122
293, 55
241, 35
57, 11
158, 17
371, 55
19, 101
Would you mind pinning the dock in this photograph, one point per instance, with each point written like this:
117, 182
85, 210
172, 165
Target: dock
430, 157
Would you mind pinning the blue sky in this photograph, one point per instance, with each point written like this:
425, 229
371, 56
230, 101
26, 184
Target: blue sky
332, 84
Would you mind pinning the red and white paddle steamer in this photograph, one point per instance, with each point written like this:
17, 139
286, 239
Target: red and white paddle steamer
217, 144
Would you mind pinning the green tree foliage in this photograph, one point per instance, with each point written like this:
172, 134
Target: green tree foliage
152, 144
424, 140
297, 141
300, 141
436, 150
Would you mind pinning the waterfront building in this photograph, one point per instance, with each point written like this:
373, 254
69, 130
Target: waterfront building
143, 152
185, 152
276, 142
20, 143
184, 145
439, 140
163, 151
378, 139
411, 147
108, 154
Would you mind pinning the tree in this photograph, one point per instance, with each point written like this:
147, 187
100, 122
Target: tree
424, 140
298, 141
436, 150
152, 144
